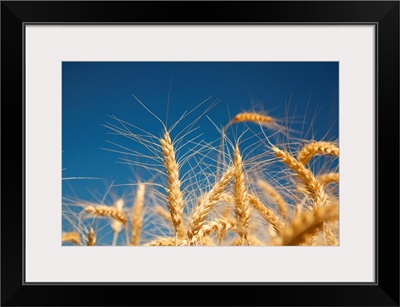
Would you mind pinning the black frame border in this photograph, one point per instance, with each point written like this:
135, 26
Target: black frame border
16, 14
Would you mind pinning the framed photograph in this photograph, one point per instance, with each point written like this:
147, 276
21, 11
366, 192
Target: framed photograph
206, 147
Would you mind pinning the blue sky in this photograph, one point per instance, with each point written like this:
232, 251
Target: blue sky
93, 91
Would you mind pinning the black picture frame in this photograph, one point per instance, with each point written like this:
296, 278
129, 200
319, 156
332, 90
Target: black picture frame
383, 14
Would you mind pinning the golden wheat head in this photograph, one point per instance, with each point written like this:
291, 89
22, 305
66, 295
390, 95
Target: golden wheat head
112, 212
175, 195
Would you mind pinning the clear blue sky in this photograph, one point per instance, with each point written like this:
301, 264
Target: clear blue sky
93, 90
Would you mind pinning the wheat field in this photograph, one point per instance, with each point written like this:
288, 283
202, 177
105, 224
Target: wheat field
261, 187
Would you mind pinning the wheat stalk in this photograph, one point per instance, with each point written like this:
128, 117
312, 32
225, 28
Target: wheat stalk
276, 197
91, 239
311, 222
164, 213
251, 117
254, 241
313, 188
331, 239
267, 214
167, 241
328, 178
137, 215
251, 240
220, 226
117, 225
112, 212
71, 237
317, 148
242, 212
175, 195
167, 216
238, 241
226, 211
205, 203
311, 238
228, 198
306, 223
206, 241
241, 118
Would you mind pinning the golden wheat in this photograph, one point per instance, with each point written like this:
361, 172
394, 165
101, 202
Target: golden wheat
71, 237
220, 226
137, 214
328, 178
242, 212
267, 214
317, 148
305, 223
112, 212
167, 241
206, 202
252, 117
274, 194
331, 238
312, 187
175, 195
91, 239
117, 225
223, 214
